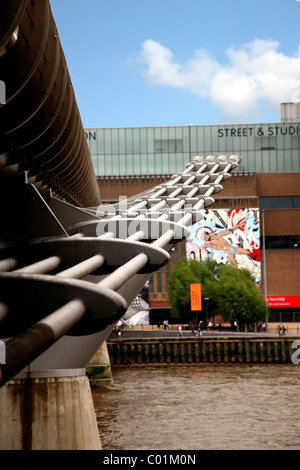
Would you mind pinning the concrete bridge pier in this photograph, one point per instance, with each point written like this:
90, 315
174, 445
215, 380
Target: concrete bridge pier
99, 368
50, 410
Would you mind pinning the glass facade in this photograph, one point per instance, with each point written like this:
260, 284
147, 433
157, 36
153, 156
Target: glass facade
265, 148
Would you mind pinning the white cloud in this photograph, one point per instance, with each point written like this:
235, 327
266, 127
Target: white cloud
256, 75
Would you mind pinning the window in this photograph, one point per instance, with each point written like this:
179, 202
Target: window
265, 143
279, 202
282, 242
168, 145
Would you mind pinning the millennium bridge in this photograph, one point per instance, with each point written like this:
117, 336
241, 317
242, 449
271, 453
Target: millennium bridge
69, 265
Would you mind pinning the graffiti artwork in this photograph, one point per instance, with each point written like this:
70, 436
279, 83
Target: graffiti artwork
228, 236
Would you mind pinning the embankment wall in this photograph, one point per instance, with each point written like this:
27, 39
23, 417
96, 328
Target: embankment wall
203, 350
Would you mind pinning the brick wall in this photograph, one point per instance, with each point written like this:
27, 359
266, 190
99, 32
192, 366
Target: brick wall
241, 190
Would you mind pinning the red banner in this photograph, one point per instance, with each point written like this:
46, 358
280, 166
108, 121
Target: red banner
287, 301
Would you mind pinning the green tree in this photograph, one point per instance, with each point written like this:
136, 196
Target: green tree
232, 292
184, 273
237, 297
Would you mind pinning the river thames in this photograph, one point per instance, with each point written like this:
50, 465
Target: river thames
202, 407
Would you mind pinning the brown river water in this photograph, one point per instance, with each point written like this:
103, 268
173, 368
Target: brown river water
203, 407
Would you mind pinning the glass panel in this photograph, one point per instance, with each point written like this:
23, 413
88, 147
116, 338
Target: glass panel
129, 141
158, 163
151, 163
129, 161
100, 141
101, 167
122, 141
296, 160
172, 163
285, 161
251, 161
200, 140
157, 133
164, 133
186, 139
221, 139
91, 138
150, 140
165, 164
115, 141
144, 164
273, 167
122, 165
181, 162
207, 139
295, 142
193, 140
143, 140
215, 144
136, 141
243, 166
282, 141
108, 164
259, 158
107, 141
93, 147
230, 135
137, 164
172, 133
87, 138
179, 132
115, 162
95, 164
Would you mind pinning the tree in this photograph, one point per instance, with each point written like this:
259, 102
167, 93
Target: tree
237, 297
186, 272
232, 292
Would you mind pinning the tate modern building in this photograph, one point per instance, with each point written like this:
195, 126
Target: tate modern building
261, 200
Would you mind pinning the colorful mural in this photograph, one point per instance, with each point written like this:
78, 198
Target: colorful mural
228, 236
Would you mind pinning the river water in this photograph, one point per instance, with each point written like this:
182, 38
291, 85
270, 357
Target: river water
203, 407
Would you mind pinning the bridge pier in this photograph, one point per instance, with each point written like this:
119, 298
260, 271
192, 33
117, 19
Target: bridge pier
99, 368
43, 412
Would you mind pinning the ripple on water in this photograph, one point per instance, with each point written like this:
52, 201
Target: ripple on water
215, 406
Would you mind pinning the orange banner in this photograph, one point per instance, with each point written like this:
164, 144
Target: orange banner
196, 303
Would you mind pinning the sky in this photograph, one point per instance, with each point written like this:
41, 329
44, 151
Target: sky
138, 63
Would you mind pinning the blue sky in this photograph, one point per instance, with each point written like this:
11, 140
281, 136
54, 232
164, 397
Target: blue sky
169, 63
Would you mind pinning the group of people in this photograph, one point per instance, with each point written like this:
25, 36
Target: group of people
165, 324
261, 326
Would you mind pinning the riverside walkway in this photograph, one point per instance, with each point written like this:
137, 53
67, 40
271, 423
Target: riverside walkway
156, 346
152, 331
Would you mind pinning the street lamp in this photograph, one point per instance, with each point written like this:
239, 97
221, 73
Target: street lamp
206, 305
265, 267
